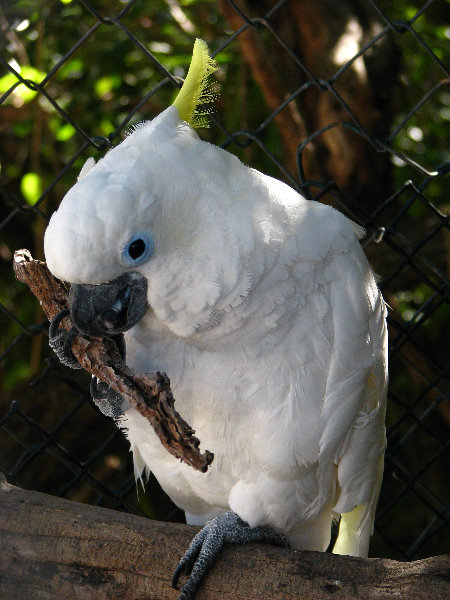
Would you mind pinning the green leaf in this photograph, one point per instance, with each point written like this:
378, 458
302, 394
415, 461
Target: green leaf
65, 132
72, 68
105, 85
21, 91
31, 187
106, 126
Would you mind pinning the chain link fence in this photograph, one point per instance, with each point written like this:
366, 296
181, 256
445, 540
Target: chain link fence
346, 101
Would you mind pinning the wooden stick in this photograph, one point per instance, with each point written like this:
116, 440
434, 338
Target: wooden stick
55, 549
149, 394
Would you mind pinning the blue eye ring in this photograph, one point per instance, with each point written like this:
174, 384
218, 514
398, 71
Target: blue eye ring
138, 249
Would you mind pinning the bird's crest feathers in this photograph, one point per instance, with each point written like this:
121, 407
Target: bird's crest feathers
196, 91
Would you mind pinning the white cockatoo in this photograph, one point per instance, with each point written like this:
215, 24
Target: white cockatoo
263, 310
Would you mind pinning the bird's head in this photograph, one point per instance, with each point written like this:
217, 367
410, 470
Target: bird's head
153, 226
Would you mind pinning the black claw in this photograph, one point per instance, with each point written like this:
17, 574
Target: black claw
54, 324
119, 339
181, 569
70, 338
61, 341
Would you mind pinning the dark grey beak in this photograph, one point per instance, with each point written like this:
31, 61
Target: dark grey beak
109, 308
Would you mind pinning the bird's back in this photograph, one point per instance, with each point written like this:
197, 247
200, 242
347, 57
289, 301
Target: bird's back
288, 388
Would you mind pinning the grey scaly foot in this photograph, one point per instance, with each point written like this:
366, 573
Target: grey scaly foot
60, 341
110, 402
209, 541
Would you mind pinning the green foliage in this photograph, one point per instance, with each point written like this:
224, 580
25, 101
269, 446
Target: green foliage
21, 93
31, 187
423, 136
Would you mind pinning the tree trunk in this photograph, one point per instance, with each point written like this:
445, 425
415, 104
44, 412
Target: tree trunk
308, 43
52, 548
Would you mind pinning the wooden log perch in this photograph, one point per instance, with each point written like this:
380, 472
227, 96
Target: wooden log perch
149, 394
55, 549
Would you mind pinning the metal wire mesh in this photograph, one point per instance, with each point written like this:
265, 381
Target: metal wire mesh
111, 64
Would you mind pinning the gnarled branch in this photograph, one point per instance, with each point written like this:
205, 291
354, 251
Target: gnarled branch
149, 394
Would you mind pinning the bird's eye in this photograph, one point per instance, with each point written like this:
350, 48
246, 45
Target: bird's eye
138, 249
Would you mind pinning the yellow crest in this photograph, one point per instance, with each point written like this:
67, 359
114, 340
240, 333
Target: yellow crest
196, 91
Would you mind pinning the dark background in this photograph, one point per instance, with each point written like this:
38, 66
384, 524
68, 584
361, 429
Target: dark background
367, 135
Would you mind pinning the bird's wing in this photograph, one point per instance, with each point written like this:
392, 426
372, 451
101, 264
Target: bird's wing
353, 437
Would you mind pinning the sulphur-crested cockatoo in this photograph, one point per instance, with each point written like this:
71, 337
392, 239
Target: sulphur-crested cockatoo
260, 306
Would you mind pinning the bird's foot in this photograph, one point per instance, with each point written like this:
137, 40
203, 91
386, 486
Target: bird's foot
209, 541
61, 341
110, 403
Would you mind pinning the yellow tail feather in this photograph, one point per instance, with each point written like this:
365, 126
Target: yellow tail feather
195, 90
353, 538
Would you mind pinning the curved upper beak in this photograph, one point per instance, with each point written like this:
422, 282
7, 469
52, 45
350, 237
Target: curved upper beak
109, 308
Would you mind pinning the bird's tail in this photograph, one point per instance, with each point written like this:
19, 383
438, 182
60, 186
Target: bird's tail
356, 526
355, 529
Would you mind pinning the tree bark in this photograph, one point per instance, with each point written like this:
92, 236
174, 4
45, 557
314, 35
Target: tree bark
323, 36
55, 549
